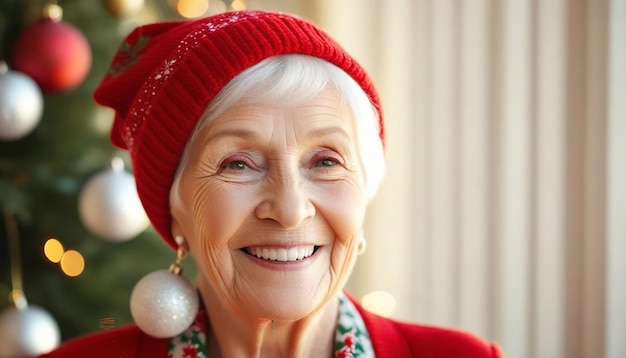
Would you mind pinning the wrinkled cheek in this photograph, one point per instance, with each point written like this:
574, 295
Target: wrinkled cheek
218, 268
346, 220
217, 215
343, 259
216, 219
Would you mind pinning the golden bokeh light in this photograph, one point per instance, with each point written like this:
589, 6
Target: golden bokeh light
238, 5
72, 263
192, 8
53, 249
379, 302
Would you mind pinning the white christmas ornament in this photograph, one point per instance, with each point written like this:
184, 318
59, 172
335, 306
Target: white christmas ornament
27, 332
164, 304
21, 104
109, 206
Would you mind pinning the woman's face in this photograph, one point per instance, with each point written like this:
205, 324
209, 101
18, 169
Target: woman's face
273, 205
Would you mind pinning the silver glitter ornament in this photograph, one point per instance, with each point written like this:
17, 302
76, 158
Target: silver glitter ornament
164, 304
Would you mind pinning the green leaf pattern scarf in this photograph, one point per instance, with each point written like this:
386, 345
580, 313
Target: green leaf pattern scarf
351, 337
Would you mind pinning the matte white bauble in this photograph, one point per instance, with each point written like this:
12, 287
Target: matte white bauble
27, 332
21, 104
164, 304
109, 205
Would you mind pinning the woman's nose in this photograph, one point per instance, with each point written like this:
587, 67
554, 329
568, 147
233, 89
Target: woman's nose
287, 202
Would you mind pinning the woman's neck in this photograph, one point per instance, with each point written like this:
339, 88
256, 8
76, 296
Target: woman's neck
235, 336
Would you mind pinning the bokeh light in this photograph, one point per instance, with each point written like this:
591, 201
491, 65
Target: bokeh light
217, 7
72, 263
379, 302
53, 249
192, 8
238, 5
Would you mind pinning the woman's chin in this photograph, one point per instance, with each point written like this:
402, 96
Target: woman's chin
285, 305
273, 290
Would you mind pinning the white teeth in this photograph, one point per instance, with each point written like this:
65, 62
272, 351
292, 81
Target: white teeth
282, 254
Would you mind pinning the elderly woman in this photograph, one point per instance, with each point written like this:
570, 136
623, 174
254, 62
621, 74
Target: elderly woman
256, 144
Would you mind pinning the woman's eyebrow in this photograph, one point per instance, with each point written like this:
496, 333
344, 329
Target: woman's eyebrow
248, 134
330, 130
231, 132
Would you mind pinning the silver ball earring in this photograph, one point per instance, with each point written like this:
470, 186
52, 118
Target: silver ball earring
164, 303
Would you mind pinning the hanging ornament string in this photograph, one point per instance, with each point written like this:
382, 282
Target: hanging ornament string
25, 330
17, 293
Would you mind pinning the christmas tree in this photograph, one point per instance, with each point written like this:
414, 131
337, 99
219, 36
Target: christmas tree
43, 173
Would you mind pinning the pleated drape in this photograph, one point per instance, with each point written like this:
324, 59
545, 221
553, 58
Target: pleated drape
504, 207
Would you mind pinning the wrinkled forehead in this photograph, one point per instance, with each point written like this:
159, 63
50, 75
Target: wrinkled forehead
317, 113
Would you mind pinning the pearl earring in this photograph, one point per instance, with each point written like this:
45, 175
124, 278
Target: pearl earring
164, 303
361, 246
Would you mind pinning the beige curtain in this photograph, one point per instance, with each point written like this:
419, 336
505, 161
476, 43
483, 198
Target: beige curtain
504, 207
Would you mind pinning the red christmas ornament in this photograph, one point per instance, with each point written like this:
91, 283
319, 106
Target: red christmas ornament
54, 53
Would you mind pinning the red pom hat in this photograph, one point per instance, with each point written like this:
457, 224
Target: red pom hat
165, 74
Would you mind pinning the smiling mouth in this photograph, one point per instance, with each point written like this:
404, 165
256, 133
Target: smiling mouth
282, 254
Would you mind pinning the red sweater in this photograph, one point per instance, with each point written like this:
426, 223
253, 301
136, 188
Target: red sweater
389, 338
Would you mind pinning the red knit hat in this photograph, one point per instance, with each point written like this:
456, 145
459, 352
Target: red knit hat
165, 74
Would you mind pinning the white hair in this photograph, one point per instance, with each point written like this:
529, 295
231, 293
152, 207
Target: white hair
292, 79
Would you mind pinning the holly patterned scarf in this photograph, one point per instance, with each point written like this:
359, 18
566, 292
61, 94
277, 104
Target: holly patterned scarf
351, 337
